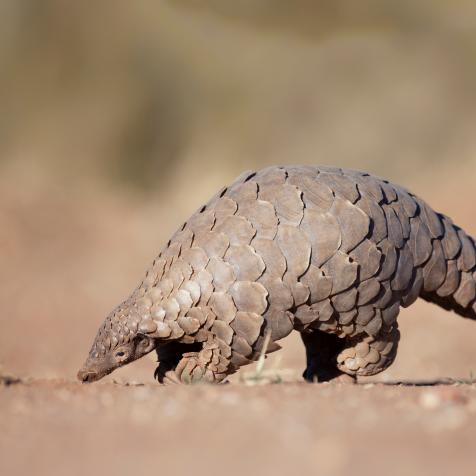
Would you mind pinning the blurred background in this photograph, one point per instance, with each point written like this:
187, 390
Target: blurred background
119, 119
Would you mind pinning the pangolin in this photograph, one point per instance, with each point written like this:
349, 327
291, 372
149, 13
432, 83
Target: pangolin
328, 252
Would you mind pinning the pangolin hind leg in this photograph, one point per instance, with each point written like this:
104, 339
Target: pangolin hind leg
191, 363
365, 355
322, 350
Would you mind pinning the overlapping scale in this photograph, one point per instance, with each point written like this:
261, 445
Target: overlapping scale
369, 258
467, 258
262, 216
238, 229
320, 285
222, 273
450, 241
223, 306
342, 270
249, 297
246, 263
323, 233
378, 221
271, 254
434, 272
342, 186
213, 243
247, 325
202, 221
296, 249
279, 322
316, 194
224, 207
404, 272
432, 220
466, 292
354, 223
286, 200
420, 241
394, 227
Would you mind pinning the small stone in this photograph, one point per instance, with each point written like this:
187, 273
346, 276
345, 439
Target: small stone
430, 400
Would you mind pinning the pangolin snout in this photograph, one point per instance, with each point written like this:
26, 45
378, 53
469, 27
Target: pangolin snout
87, 376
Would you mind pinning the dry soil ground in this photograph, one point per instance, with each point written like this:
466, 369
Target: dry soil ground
58, 427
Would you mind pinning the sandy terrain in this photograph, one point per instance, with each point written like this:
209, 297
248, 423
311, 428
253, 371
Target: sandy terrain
56, 427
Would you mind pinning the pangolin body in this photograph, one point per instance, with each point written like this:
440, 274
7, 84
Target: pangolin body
331, 253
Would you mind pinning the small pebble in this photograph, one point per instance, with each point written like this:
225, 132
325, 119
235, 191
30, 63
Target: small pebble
430, 400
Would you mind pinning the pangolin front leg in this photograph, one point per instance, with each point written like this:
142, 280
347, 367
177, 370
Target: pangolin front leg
169, 355
206, 365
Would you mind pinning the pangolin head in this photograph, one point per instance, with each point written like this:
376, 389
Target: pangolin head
122, 338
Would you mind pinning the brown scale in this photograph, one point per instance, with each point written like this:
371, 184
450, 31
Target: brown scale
328, 252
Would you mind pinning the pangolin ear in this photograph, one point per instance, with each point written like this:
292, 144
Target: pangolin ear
146, 343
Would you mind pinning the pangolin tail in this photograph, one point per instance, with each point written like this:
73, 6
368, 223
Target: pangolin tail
449, 276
